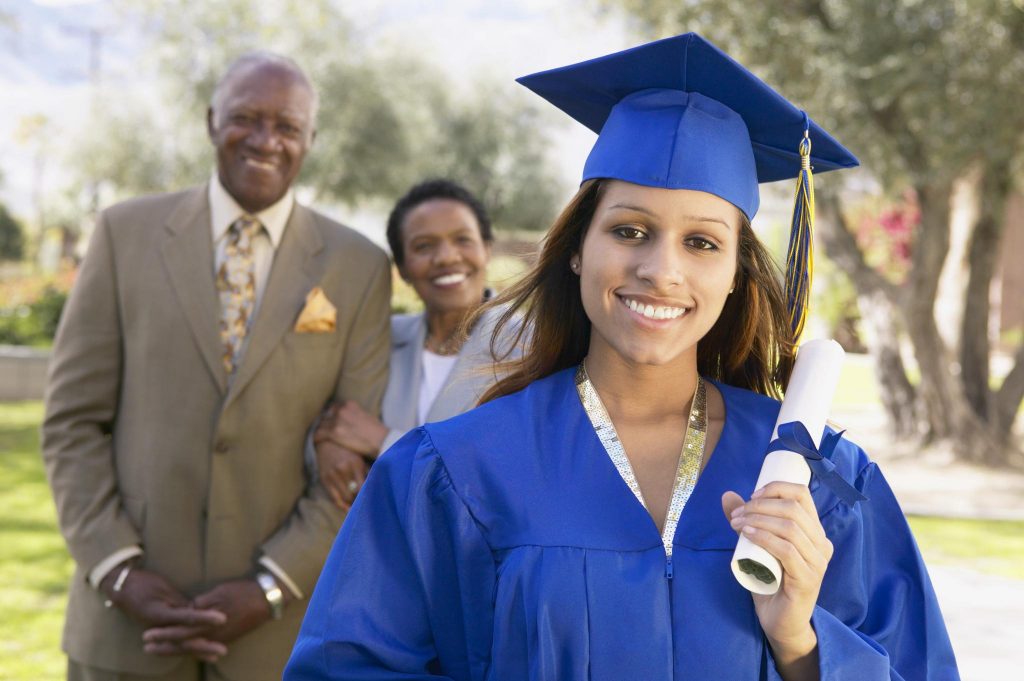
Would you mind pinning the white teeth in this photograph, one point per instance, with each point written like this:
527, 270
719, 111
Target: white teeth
652, 312
450, 279
260, 164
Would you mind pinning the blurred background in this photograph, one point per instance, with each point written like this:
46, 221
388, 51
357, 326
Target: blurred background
918, 269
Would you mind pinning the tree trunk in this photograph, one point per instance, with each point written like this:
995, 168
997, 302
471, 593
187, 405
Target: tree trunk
938, 409
895, 390
937, 387
876, 299
982, 254
949, 414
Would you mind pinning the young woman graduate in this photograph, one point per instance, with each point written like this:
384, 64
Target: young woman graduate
571, 528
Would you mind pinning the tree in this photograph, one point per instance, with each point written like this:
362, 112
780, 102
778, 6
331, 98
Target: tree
496, 143
385, 121
926, 93
12, 238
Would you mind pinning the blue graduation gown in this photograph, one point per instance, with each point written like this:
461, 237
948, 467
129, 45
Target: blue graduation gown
503, 545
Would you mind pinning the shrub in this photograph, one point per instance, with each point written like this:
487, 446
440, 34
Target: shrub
33, 323
12, 239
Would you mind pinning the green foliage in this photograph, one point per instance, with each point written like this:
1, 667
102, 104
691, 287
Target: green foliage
993, 546
35, 567
495, 145
12, 238
924, 92
34, 323
123, 152
917, 89
386, 121
835, 301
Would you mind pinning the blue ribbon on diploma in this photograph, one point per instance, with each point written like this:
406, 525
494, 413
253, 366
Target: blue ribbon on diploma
793, 437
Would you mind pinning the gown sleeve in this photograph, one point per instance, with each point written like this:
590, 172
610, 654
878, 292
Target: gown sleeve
408, 587
877, 617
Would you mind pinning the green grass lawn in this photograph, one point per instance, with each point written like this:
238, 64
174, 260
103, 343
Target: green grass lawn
34, 564
993, 546
35, 567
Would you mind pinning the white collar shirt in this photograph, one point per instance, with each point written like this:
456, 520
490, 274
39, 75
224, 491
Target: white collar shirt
224, 210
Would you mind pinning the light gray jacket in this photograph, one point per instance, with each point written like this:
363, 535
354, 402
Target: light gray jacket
472, 374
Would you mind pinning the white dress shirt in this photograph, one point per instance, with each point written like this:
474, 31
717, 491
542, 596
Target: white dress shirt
224, 211
436, 369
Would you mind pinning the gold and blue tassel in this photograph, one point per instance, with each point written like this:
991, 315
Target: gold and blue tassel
800, 256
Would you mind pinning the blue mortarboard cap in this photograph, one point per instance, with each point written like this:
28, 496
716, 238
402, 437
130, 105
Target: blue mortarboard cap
679, 113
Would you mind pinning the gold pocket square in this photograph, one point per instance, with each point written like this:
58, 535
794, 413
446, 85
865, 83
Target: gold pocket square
319, 315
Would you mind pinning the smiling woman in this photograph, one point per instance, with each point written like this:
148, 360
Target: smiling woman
650, 263
440, 237
579, 524
745, 340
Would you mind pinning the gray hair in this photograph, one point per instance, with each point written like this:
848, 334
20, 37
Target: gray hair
259, 58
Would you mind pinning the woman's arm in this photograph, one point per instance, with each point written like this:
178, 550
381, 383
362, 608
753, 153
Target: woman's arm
782, 519
345, 439
874, 615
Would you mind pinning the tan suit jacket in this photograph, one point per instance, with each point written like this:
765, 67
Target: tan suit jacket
145, 442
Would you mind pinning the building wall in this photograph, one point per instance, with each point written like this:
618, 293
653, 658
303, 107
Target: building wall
22, 372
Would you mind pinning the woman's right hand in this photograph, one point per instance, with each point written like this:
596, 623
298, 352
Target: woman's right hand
345, 435
341, 471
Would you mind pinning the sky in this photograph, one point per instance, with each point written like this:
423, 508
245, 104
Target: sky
44, 67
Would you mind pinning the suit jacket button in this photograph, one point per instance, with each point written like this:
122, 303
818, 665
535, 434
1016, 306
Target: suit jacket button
220, 447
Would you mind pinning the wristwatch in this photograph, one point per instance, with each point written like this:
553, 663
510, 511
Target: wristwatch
275, 598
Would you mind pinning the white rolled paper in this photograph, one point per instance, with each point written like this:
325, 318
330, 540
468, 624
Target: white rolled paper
808, 400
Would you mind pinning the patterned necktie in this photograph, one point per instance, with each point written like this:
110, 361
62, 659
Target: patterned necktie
236, 286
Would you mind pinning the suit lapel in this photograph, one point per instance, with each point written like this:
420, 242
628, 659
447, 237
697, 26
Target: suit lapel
408, 364
187, 254
293, 274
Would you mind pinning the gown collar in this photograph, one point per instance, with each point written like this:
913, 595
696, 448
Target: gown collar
733, 465
690, 457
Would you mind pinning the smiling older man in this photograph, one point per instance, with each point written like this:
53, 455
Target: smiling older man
205, 333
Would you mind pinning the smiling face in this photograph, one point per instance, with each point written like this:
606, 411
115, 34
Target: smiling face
444, 255
655, 267
262, 128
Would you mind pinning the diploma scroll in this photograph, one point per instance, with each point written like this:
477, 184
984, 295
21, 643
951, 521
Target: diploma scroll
808, 400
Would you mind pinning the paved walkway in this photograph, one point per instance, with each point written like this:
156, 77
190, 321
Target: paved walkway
934, 483
984, 616
984, 613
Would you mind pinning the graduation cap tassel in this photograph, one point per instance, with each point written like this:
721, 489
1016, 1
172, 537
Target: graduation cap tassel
800, 257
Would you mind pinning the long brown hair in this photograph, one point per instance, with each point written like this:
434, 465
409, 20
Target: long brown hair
750, 345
